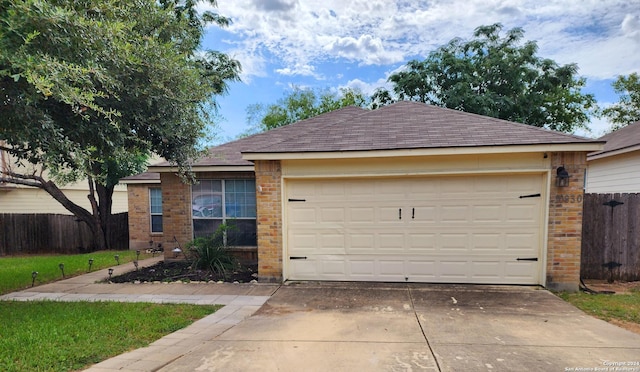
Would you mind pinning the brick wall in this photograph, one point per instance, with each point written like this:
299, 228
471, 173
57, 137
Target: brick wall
269, 204
565, 223
176, 213
139, 219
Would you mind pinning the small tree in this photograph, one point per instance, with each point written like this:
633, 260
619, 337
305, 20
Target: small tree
301, 104
627, 109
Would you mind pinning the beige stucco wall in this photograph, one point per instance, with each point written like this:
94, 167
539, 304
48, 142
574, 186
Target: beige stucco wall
417, 165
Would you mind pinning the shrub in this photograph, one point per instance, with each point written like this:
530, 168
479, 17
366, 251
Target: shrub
211, 253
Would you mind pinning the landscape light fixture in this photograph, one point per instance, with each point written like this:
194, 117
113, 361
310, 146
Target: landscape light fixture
117, 257
135, 263
176, 251
90, 263
137, 254
110, 273
34, 274
562, 177
61, 266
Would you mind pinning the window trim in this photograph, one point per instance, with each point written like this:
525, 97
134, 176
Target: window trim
152, 214
223, 217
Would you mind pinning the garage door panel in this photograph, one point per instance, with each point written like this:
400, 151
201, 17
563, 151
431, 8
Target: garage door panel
331, 215
423, 214
435, 229
522, 213
422, 242
453, 270
487, 243
301, 241
488, 213
453, 242
361, 215
454, 213
303, 215
361, 242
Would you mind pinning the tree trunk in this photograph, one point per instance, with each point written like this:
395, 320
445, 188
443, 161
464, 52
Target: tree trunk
92, 220
105, 204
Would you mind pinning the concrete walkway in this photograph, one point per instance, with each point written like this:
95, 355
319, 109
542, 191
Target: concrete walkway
240, 300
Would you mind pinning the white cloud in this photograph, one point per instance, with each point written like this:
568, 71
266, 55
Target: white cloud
602, 37
303, 70
366, 88
631, 26
366, 49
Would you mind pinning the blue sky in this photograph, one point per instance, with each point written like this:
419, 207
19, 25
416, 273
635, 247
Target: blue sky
359, 43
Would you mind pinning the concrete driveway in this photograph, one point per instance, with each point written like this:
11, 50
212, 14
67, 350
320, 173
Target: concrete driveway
414, 327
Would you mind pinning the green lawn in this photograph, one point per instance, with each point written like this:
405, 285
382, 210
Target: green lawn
15, 272
65, 336
624, 307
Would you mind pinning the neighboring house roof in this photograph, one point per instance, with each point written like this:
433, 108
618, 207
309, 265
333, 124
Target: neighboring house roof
621, 141
403, 125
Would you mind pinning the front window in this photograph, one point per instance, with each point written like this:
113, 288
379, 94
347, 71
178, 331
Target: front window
155, 206
232, 202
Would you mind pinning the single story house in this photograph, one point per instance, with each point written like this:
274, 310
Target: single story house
616, 168
406, 193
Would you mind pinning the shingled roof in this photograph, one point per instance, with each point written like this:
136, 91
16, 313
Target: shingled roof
405, 125
229, 154
627, 138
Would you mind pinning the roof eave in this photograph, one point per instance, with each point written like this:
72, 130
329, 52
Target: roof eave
204, 168
139, 182
605, 154
564, 147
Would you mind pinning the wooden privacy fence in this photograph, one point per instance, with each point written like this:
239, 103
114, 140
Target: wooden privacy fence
55, 233
611, 237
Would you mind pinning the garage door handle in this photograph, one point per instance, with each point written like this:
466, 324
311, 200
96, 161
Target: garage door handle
530, 196
297, 257
399, 213
527, 259
297, 200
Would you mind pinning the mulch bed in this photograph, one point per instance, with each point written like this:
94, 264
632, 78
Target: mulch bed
181, 271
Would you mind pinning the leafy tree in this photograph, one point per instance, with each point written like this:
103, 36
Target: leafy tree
301, 104
627, 110
90, 88
498, 76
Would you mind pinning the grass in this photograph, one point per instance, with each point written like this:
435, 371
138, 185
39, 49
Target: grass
624, 307
64, 336
15, 272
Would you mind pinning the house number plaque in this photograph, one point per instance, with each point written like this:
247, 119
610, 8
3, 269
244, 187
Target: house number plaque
567, 198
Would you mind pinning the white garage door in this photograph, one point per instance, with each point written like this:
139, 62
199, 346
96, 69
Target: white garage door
471, 229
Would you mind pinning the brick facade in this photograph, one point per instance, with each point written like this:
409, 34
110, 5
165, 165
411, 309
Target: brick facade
140, 234
269, 204
176, 213
565, 223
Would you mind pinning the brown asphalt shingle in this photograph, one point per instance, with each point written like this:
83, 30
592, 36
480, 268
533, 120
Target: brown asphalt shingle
403, 125
626, 137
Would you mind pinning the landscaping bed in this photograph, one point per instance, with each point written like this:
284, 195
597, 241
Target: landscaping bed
182, 271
